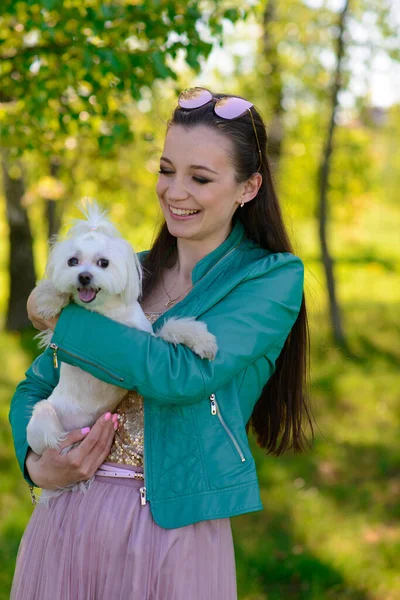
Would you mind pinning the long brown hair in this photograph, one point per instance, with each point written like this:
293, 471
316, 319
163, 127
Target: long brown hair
283, 407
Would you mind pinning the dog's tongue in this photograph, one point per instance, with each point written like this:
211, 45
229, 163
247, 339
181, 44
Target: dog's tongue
86, 294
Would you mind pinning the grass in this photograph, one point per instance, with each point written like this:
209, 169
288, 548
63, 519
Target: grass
330, 528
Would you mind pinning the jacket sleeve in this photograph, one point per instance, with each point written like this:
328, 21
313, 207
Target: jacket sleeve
41, 379
251, 321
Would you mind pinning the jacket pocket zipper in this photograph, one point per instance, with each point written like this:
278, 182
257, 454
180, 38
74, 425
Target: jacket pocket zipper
143, 489
216, 411
55, 361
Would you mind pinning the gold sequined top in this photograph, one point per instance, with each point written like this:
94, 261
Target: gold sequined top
127, 448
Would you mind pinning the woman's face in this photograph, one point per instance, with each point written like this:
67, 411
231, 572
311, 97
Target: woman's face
196, 187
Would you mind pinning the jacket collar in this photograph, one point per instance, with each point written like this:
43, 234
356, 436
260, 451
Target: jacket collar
207, 262
189, 304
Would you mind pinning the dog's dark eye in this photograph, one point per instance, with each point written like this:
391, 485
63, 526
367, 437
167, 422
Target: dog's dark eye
72, 262
103, 263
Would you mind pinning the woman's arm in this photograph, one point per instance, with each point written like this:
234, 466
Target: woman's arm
41, 379
52, 470
253, 320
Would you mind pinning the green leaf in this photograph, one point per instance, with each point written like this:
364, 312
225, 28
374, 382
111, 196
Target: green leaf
161, 69
52, 4
232, 14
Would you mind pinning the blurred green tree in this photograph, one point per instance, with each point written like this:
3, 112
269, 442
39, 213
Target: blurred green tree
307, 62
74, 68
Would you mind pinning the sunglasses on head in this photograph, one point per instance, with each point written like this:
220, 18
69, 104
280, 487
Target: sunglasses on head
228, 107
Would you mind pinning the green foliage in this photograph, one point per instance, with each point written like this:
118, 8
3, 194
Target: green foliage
71, 68
296, 52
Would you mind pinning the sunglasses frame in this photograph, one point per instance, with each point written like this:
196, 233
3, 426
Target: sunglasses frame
225, 99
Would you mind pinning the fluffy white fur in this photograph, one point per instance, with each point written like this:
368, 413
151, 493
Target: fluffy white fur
79, 398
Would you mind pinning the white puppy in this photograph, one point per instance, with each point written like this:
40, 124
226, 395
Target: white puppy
99, 270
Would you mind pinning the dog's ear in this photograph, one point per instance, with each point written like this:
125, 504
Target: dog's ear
55, 253
133, 287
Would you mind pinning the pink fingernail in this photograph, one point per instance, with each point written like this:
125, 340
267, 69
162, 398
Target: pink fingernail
115, 418
107, 416
85, 430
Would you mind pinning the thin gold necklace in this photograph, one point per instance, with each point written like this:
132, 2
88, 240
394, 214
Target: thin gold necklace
172, 301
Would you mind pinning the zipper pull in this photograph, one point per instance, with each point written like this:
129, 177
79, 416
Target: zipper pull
213, 404
143, 496
55, 359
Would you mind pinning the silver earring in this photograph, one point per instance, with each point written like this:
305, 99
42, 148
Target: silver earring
241, 206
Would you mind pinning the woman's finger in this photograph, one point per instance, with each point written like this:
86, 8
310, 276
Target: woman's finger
102, 449
74, 436
32, 309
101, 431
36, 319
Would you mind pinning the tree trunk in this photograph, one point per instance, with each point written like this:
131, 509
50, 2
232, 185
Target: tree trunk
21, 263
325, 168
52, 213
273, 86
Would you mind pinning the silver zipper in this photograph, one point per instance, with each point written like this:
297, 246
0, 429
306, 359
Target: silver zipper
143, 496
216, 411
143, 489
88, 362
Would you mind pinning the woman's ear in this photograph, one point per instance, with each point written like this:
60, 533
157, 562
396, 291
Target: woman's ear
250, 188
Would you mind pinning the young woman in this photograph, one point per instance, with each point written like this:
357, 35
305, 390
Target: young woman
155, 523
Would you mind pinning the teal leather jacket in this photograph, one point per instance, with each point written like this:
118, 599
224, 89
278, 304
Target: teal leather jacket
197, 460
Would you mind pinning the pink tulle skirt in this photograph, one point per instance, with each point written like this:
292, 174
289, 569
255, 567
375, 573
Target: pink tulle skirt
105, 545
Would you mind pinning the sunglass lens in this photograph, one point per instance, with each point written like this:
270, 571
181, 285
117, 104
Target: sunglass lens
231, 107
194, 97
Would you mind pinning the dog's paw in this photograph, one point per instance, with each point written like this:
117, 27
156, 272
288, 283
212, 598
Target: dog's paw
193, 334
44, 428
203, 343
49, 301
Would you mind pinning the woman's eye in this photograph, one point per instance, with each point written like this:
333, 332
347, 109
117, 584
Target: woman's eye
201, 180
103, 263
72, 262
197, 179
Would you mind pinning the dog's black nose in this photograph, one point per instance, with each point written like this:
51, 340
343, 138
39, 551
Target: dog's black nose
85, 278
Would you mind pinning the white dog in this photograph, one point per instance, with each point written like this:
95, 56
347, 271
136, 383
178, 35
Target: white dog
99, 270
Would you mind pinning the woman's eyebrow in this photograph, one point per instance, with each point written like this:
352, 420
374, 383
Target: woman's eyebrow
191, 166
202, 167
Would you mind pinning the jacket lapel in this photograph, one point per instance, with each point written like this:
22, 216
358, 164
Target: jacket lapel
206, 272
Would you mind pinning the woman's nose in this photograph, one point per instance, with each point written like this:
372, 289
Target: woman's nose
177, 189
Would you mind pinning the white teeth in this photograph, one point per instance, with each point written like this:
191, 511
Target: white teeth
180, 212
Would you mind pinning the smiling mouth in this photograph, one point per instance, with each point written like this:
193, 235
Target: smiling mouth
87, 294
183, 212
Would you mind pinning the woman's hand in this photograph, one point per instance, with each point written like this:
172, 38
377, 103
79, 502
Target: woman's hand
37, 320
53, 470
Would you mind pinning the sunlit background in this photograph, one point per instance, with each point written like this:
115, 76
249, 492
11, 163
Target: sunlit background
86, 90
